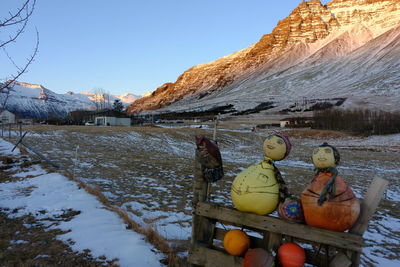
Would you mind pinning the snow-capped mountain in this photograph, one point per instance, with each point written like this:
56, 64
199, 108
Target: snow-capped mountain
125, 99
346, 49
36, 101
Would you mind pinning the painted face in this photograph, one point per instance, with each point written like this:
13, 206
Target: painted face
323, 157
274, 147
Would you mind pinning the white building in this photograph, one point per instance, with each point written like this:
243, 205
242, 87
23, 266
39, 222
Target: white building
112, 121
6, 117
297, 122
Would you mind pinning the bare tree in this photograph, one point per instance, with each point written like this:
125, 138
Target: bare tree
101, 99
11, 27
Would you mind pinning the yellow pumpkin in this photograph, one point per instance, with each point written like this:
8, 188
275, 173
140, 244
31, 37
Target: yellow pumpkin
256, 189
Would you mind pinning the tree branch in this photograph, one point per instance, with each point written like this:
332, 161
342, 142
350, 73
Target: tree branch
9, 84
12, 39
19, 17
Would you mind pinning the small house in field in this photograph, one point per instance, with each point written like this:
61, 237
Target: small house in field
112, 121
6, 117
106, 118
26, 121
297, 122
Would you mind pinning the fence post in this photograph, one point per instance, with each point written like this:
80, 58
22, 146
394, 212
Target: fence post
216, 121
202, 228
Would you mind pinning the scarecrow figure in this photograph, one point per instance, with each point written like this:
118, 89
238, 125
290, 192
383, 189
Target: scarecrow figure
260, 187
210, 159
328, 202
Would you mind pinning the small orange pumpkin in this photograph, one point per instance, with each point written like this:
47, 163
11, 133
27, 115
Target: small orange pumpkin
291, 255
236, 242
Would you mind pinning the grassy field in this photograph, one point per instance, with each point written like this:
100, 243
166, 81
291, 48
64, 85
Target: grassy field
148, 171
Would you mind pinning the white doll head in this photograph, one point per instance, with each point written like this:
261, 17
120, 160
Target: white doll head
276, 147
325, 156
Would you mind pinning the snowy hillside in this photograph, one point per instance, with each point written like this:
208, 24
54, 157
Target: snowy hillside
368, 77
36, 101
347, 49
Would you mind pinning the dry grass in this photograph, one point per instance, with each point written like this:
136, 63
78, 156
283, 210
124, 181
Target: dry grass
304, 133
131, 164
151, 235
38, 246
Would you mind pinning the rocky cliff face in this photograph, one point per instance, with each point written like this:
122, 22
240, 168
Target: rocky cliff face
312, 34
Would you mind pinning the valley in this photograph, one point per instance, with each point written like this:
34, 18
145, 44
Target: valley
148, 171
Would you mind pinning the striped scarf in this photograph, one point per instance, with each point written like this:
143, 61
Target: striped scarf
283, 189
330, 187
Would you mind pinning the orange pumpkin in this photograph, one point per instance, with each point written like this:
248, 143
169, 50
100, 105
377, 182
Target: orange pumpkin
236, 242
257, 257
338, 213
291, 255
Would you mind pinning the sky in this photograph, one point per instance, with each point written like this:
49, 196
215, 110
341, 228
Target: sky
130, 46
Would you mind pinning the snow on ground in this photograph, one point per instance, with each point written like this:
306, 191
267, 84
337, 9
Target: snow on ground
6, 147
94, 228
152, 182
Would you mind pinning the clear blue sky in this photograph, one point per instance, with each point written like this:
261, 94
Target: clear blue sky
129, 46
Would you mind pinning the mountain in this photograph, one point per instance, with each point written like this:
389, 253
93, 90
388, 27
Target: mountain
346, 52
125, 99
36, 101
128, 98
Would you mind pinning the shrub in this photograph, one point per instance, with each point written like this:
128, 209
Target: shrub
359, 121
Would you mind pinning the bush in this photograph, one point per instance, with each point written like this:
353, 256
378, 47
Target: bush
366, 122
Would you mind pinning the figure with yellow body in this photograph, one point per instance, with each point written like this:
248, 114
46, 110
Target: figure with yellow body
258, 188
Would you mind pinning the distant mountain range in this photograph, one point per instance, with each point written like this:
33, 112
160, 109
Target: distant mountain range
346, 52
36, 101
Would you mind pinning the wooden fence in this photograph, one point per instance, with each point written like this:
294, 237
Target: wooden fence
323, 247
10, 129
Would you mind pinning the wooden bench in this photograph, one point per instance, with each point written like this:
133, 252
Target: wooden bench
323, 247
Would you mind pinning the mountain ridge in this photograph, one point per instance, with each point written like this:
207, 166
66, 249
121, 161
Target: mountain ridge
36, 101
312, 34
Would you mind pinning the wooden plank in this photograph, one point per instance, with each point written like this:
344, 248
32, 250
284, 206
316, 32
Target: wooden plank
254, 241
212, 258
275, 225
274, 241
369, 205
